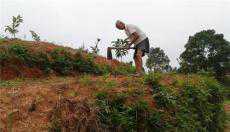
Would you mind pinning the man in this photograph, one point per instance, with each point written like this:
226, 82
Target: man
140, 41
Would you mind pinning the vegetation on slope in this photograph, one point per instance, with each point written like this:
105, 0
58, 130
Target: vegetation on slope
27, 59
196, 105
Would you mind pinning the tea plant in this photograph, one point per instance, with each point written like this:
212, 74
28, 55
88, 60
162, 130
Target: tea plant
35, 36
12, 29
120, 52
62, 61
196, 107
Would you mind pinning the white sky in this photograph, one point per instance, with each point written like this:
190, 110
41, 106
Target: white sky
168, 23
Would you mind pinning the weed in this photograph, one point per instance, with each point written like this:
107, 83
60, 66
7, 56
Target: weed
85, 80
10, 83
10, 122
111, 84
73, 93
153, 78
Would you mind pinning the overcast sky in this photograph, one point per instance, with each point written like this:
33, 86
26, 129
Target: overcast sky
168, 23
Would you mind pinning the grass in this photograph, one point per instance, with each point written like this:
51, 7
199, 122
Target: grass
73, 93
11, 83
227, 101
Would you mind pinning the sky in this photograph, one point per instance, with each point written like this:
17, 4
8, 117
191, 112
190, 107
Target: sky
167, 23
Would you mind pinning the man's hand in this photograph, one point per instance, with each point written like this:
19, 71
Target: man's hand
133, 37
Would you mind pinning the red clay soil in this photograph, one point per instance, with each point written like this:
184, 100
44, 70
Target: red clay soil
47, 92
8, 73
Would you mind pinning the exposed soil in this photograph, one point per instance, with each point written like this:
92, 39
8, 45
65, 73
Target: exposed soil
44, 94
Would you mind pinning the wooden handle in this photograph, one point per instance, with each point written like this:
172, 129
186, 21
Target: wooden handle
120, 47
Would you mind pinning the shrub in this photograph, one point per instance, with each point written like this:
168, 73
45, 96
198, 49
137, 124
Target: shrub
61, 61
114, 114
43, 62
19, 51
84, 63
195, 107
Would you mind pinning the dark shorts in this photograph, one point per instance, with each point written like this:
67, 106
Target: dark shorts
144, 46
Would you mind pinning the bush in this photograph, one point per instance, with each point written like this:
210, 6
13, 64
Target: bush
43, 62
61, 61
196, 107
20, 52
85, 63
115, 115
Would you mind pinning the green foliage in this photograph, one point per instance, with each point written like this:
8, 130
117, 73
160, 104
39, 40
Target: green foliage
153, 78
10, 83
35, 36
73, 93
85, 63
120, 52
111, 84
124, 70
19, 51
43, 62
158, 61
85, 80
12, 29
58, 60
196, 107
207, 51
116, 116
61, 61
164, 97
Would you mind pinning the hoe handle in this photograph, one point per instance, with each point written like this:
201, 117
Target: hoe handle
120, 48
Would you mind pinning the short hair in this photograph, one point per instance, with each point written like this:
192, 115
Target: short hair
118, 22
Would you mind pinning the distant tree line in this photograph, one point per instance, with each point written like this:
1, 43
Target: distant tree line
206, 51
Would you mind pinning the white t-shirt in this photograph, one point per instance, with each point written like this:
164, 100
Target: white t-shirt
129, 29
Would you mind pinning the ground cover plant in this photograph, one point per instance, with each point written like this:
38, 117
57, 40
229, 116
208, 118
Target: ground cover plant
53, 59
195, 106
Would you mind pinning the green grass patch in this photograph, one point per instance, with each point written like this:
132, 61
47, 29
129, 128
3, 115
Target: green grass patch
10, 83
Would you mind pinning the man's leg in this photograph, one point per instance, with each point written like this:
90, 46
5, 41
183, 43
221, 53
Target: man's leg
138, 61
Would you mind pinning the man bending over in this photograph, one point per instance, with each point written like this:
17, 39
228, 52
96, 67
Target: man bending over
140, 41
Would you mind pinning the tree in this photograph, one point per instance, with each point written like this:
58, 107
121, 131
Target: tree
120, 52
12, 29
206, 51
35, 36
95, 49
158, 60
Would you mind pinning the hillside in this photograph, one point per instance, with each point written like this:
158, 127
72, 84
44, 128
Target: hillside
45, 87
35, 59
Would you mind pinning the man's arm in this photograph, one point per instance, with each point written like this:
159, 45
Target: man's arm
133, 37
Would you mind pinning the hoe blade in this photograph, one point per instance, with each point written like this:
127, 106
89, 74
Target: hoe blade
109, 54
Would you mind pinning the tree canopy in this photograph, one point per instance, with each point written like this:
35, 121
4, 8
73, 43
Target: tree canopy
158, 60
206, 51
